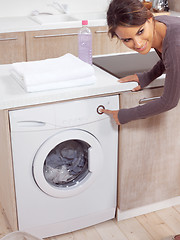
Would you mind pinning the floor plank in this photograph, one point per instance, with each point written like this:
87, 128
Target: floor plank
134, 230
110, 230
87, 233
155, 226
67, 236
171, 217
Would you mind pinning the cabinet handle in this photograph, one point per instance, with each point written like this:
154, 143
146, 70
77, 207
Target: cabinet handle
101, 31
56, 35
7, 39
146, 100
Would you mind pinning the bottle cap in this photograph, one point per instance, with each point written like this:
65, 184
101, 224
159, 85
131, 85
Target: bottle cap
84, 22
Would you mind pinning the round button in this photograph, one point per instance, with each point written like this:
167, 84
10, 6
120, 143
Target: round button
99, 108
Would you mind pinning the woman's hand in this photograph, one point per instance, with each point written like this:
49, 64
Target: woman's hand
131, 78
114, 114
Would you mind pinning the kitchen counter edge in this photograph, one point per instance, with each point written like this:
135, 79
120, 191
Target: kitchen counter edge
12, 95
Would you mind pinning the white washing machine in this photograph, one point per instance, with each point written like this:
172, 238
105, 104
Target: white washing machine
65, 165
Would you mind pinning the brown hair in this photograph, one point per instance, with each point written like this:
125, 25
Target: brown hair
126, 13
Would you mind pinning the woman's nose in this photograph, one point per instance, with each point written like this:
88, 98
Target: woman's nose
137, 43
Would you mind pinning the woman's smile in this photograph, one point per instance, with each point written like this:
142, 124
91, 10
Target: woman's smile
142, 48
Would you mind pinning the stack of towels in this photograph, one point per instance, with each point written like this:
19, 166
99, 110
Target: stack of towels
63, 72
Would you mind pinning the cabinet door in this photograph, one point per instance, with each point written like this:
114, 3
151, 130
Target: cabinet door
103, 44
149, 167
7, 190
12, 47
51, 43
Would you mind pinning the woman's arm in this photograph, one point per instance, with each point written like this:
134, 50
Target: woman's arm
146, 78
170, 97
171, 94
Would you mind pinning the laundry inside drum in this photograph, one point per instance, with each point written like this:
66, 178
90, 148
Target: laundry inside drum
67, 164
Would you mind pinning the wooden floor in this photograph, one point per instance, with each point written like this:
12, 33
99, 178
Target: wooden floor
156, 225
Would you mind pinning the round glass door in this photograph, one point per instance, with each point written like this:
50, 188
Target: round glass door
67, 163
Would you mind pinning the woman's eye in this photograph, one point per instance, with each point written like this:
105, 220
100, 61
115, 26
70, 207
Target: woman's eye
126, 40
141, 31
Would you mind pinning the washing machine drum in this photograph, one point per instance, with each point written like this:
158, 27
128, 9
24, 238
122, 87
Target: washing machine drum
67, 163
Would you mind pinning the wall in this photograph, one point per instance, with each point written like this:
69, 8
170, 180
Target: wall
11, 8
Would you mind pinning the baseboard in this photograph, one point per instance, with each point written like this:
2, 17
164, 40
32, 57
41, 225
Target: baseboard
122, 215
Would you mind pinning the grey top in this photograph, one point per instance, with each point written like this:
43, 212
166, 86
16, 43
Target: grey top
169, 63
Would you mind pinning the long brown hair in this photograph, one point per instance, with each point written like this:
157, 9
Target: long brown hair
126, 13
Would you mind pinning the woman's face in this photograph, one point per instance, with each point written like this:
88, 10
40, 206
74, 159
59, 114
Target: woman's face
138, 38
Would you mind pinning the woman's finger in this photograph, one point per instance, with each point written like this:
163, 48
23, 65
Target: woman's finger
126, 79
114, 114
106, 111
130, 78
136, 88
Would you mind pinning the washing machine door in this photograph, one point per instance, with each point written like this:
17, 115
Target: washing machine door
67, 163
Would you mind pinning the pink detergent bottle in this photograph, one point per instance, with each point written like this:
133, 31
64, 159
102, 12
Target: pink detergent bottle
85, 43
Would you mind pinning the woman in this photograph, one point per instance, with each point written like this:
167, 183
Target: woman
135, 26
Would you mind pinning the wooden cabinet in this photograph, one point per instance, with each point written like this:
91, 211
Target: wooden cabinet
38, 45
149, 153
12, 47
7, 189
54, 43
103, 44
51, 43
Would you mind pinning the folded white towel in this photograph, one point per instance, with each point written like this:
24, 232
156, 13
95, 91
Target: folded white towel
55, 85
50, 71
